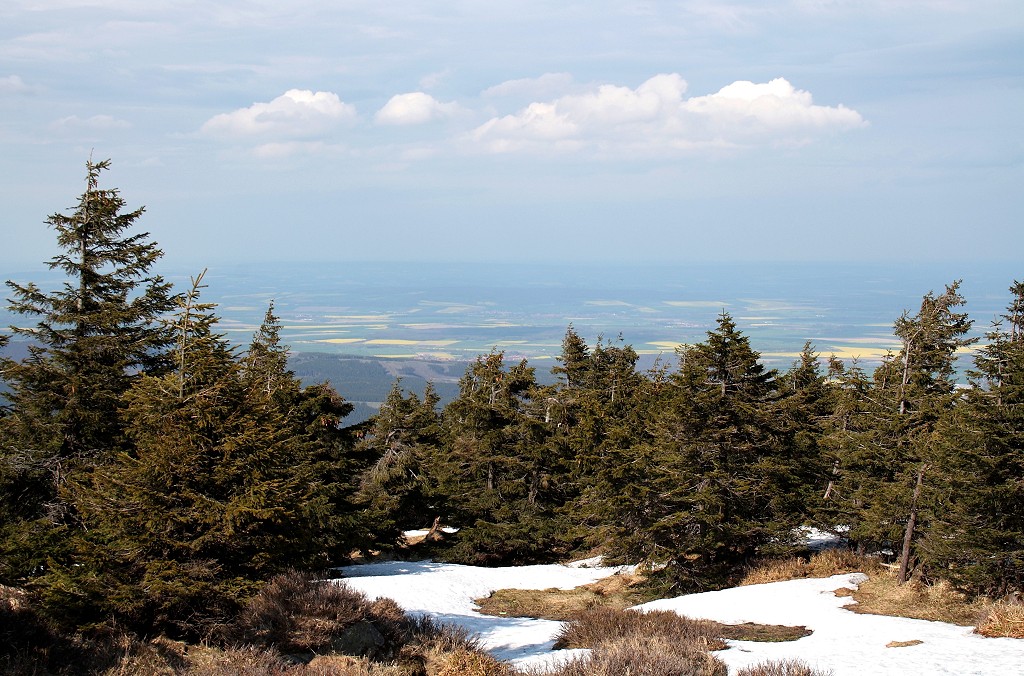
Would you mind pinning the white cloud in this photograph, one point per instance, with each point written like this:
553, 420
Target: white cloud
745, 109
656, 117
298, 113
12, 84
94, 123
548, 84
415, 108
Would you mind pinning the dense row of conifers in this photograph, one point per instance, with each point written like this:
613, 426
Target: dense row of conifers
152, 475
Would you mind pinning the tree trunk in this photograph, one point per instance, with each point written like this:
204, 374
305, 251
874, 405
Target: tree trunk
908, 535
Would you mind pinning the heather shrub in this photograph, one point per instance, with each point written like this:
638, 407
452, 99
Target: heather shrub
643, 656
782, 668
601, 623
427, 633
294, 613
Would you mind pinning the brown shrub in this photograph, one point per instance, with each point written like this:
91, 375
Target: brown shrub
643, 656
596, 625
1002, 619
428, 634
782, 668
254, 661
297, 614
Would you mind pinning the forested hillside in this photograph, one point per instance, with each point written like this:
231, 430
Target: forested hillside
153, 476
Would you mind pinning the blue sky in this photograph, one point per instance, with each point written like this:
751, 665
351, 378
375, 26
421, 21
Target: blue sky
842, 130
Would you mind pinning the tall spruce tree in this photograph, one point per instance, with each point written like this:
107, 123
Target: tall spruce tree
887, 472
703, 497
92, 337
976, 534
88, 341
597, 410
492, 464
805, 402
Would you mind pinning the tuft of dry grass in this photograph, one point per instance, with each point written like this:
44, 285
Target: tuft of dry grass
821, 564
463, 662
596, 625
782, 668
641, 656
617, 591
1001, 619
880, 594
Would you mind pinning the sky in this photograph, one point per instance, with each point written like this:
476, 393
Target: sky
675, 131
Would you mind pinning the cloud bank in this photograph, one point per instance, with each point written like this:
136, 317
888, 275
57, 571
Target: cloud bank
656, 117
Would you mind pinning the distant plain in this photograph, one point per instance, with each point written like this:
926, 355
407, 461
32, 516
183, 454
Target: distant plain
458, 311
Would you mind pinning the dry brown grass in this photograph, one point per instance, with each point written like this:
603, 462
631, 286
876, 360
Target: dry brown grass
465, 662
640, 656
253, 661
595, 625
822, 564
940, 602
782, 668
1000, 618
616, 591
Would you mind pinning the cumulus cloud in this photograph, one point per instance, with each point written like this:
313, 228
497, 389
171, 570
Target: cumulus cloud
415, 108
657, 116
298, 113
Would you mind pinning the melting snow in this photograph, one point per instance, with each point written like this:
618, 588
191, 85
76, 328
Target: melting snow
847, 643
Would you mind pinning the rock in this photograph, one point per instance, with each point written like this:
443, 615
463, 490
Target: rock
362, 639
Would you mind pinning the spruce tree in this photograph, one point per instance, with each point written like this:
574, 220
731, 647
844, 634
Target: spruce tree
976, 534
887, 473
703, 496
398, 489
92, 337
88, 341
223, 486
805, 401
599, 414
491, 465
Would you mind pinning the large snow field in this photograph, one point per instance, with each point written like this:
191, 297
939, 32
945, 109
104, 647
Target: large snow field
848, 643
